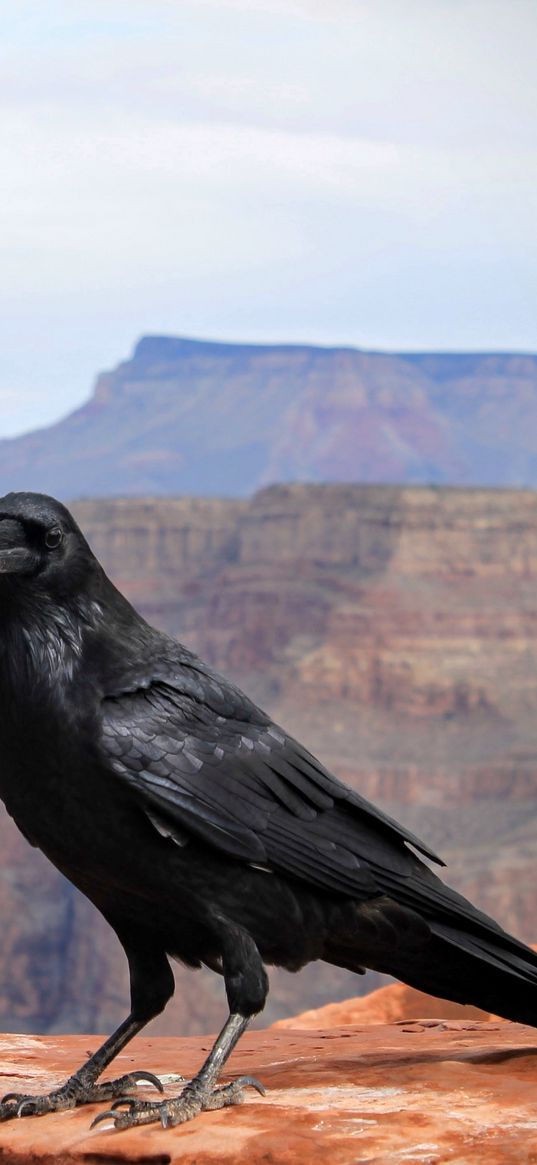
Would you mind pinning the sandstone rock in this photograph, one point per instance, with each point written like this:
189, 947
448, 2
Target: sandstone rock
432, 1091
390, 1004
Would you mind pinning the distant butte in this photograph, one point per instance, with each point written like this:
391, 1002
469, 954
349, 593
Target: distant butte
193, 417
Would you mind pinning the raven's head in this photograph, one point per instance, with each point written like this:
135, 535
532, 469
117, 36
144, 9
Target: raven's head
40, 541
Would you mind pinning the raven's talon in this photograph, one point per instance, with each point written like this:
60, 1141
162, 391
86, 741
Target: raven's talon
140, 1077
232, 1093
115, 1114
192, 1101
30, 1105
110, 1089
130, 1101
249, 1082
103, 1116
75, 1093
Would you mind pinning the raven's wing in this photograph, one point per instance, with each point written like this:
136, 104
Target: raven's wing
203, 760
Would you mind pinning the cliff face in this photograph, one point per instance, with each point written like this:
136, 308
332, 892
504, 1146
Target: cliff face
393, 630
205, 418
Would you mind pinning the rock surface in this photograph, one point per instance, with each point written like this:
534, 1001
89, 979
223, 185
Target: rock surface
389, 1004
393, 631
433, 1091
184, 416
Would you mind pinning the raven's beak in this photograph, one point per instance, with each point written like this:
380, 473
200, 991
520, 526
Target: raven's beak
16, 561
15, 557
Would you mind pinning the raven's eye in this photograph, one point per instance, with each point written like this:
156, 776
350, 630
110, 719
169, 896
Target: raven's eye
53, 537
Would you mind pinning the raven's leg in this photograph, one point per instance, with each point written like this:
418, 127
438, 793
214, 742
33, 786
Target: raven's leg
246, 989
151, 987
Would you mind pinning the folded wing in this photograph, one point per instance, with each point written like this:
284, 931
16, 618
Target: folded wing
203, 761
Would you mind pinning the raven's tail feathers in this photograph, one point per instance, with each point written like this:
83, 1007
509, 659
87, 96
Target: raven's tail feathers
458, 966
480, 965
498, 978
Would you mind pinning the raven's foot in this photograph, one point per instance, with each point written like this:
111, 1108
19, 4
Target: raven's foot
71, 1094
194, 1098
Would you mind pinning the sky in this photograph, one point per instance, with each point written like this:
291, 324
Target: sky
333, 171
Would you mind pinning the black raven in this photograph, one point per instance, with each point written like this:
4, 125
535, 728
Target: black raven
198, 827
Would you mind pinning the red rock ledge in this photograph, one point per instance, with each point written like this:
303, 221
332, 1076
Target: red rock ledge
429, 1092
386, 1005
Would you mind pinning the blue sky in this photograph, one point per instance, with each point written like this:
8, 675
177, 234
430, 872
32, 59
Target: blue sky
342, 171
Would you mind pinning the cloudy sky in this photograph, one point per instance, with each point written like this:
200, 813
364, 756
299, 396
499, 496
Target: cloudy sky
357, 171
